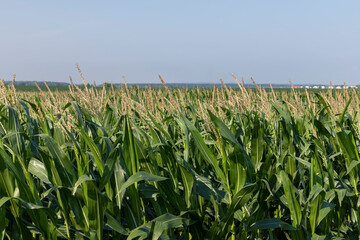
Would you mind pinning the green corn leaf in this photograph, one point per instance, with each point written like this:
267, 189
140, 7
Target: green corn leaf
188, 182
62, 165
38, 169
325, 209
271, 223
81, 180
293, 203
341, 119
317, 196
109, 167
137, 177
205, 151
240, 156
161, 223
95, 151
115, 225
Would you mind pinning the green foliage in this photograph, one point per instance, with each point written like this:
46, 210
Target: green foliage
177, 174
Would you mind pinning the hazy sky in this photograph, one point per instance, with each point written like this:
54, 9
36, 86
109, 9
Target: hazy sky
184, 41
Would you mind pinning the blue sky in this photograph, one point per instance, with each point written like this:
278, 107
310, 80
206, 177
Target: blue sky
184, 41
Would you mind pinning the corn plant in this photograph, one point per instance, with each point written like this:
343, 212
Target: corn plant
142, 163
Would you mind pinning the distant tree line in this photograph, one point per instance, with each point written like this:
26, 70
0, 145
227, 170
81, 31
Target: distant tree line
41, 84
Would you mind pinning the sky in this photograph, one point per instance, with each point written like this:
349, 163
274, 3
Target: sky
309, 42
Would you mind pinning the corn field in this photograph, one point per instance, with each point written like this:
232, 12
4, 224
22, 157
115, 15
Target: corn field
177, 163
